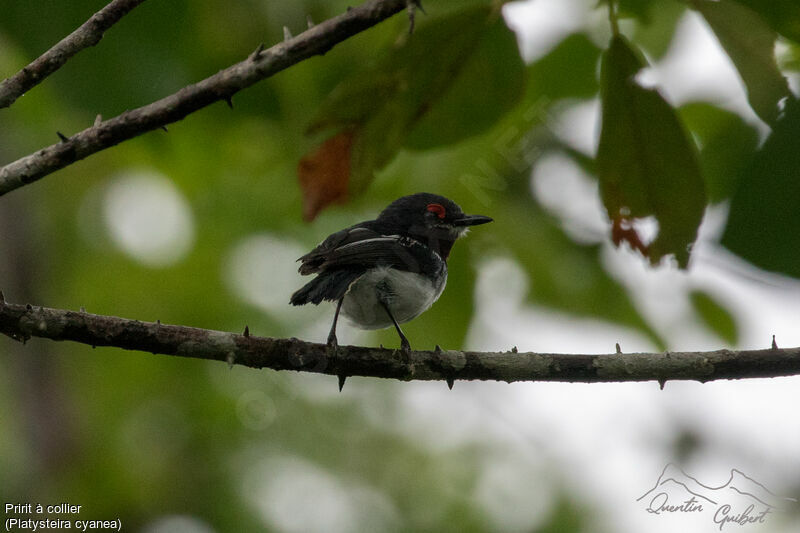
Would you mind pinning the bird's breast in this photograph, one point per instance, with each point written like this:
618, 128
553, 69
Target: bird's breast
407, 294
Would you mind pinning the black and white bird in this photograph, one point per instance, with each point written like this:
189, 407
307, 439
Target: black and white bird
386, 271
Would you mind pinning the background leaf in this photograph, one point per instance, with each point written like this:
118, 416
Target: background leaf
489, 84
727, 144
568, 71
750, 43
646, 163
782, 15
324, 175
764, 219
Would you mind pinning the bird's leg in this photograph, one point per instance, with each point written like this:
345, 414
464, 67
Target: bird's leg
333, 344
404, 344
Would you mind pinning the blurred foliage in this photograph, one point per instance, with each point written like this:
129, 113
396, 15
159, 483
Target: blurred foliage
763, 225
137, 436
645, 163
750, 43
716, 317
454, 62
727, 144
782, 15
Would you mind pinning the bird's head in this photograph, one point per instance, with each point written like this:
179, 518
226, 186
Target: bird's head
430, 218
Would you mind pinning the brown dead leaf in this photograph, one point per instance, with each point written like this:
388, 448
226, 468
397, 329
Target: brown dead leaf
324, 174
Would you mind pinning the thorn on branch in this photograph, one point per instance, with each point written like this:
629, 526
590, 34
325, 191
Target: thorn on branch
309, 21
450, 382
2, 298
619, 350
342, 379
229, 101
63, 137
438, 349
287, 35
165, 128
98, 119
256, 55
662, 382
246, 331
774, 344
83, 310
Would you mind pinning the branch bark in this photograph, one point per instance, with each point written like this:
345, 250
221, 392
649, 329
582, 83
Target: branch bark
261, 64
88, 34
22, 322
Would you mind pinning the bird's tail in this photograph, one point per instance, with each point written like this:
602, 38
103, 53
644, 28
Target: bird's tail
328, 286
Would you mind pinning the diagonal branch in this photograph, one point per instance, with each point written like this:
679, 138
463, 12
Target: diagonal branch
23, 322
261, 64
88, 34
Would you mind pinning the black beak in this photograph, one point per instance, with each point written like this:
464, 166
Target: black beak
472, 220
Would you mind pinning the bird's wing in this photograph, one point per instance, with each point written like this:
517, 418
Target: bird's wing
312, 262
393, 251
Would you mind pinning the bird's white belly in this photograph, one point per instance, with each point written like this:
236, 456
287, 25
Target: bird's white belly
407, 294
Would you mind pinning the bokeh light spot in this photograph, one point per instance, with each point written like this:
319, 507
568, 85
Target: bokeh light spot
148, 218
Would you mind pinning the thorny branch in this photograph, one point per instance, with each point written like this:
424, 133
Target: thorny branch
261, 64
88, 34
22, 322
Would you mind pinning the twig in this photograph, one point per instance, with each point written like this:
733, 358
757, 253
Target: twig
221, 86
22, 322
88, 34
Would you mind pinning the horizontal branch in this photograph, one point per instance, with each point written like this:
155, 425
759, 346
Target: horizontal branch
88, 34
23, 322
261, 64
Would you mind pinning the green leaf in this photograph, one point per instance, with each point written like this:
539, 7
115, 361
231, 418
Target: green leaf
715, 316
782, 15
764, 219
647, 165
656, 22
548, 78
452, 79
750, 43
727, 144
489, 84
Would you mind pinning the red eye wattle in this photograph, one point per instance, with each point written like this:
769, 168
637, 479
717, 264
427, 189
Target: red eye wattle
436, 209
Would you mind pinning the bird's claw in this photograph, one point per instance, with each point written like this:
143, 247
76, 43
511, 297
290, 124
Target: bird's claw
333, 345
405, 347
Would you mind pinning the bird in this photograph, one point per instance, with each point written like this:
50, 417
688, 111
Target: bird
387, 271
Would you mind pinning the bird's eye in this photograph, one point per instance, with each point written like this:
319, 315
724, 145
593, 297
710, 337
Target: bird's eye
436, 209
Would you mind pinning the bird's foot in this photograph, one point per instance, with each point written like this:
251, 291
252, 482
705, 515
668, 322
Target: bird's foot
405, 348
333, 345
